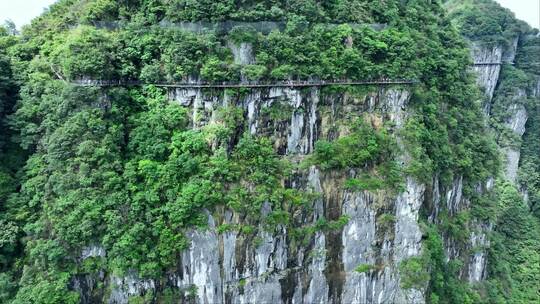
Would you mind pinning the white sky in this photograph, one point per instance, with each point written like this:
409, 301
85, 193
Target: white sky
526, 10
22, 11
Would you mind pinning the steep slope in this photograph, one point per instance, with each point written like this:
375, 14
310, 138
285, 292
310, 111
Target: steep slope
512, 103
142, 193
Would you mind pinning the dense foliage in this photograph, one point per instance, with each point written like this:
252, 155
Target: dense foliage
11, 158
125, 169
486, 21
365, 149
529, 176
514, 264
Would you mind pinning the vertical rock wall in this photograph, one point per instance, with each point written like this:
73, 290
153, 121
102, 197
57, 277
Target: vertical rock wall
270, 267
515, 120
488, 73
234, 268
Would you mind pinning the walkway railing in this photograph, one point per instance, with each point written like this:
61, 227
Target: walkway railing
244, 84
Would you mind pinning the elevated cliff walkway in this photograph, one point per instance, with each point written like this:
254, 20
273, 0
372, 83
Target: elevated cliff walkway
245, 84
491, 63
223, 27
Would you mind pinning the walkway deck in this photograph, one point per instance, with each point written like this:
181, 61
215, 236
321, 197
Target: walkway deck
200, 27
491, 63
252, 84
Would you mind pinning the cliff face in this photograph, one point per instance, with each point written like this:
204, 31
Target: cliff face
511, 100
514, 120
488, 79
272, 267
489, 60
147, 191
